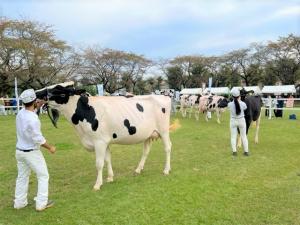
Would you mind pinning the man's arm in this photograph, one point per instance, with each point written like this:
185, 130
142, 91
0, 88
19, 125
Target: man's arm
50, 148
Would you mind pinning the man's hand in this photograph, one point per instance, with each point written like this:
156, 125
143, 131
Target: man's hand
52, 149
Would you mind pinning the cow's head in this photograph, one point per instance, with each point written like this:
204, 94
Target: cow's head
56, 96
244, 93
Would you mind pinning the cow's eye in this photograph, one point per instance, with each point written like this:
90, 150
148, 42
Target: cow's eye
62, 95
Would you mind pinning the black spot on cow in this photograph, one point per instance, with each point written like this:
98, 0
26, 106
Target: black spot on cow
115, 135
210, 99
85, 111
222, 103
214, 105
131, 129
210, 106
128, 96
198, 99
163, 110
139, 107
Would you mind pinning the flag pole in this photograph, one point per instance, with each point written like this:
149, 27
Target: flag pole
16, 94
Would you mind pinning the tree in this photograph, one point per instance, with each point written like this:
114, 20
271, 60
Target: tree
114, 69
175, 77
284, 60
246, 62
31, 52
159, 81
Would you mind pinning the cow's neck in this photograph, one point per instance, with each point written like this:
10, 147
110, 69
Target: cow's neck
68, 109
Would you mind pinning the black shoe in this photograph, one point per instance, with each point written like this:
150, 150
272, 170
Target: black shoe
234, 153
50, 203
246, 153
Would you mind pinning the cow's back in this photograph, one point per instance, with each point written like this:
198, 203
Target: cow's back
131, 120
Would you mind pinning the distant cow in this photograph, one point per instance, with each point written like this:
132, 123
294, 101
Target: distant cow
171, 94
252, 113
101, 121
212, 103
188, 102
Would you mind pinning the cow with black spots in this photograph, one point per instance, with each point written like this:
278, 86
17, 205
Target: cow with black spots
212, 103
104, 120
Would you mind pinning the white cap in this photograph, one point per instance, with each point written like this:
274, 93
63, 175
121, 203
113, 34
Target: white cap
235, 92
28, 96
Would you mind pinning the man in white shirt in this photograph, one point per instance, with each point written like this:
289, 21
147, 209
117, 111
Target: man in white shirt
28, 154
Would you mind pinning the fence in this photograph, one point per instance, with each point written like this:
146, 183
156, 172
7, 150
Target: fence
270, 105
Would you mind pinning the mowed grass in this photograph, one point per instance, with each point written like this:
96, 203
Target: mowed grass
206, 186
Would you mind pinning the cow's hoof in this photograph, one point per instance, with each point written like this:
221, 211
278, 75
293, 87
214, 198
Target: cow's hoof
109, 179
166, 172
96, 188
138, 171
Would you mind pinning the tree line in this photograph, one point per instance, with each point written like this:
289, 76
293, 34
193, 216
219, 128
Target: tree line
32, 53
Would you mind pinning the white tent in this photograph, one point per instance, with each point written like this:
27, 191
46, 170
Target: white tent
279, 89
256, 89
191, 91
217, 90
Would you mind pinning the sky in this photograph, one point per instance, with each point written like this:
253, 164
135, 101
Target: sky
162, 28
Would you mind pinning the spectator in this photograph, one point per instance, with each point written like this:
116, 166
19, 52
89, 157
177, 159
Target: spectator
2, 106
13, 102
279, 106
290, 102
7, 104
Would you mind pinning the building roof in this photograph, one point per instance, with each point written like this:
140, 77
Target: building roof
279, 89
217, 90
256, 89
191, 91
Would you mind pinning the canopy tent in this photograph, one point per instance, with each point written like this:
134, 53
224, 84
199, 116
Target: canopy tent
191, 91
256, 89
217, 90
279, 89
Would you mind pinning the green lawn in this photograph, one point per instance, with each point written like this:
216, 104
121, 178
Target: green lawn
206, 186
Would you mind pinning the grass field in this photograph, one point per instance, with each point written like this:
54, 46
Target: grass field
206, 186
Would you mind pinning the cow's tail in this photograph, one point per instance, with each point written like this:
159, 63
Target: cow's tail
175, 125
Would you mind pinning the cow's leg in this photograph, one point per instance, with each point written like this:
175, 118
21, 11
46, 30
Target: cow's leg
257, 129
206, 116
100, 150
183, 111
190, 112
110, 175
197, 114
146, 150
218, 115
167, 145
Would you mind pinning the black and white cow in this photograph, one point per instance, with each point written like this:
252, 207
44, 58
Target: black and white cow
189, 102
253, 111
101, 121
213, 103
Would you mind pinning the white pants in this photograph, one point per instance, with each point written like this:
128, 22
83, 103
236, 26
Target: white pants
241, 124
2, 110
27, 161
